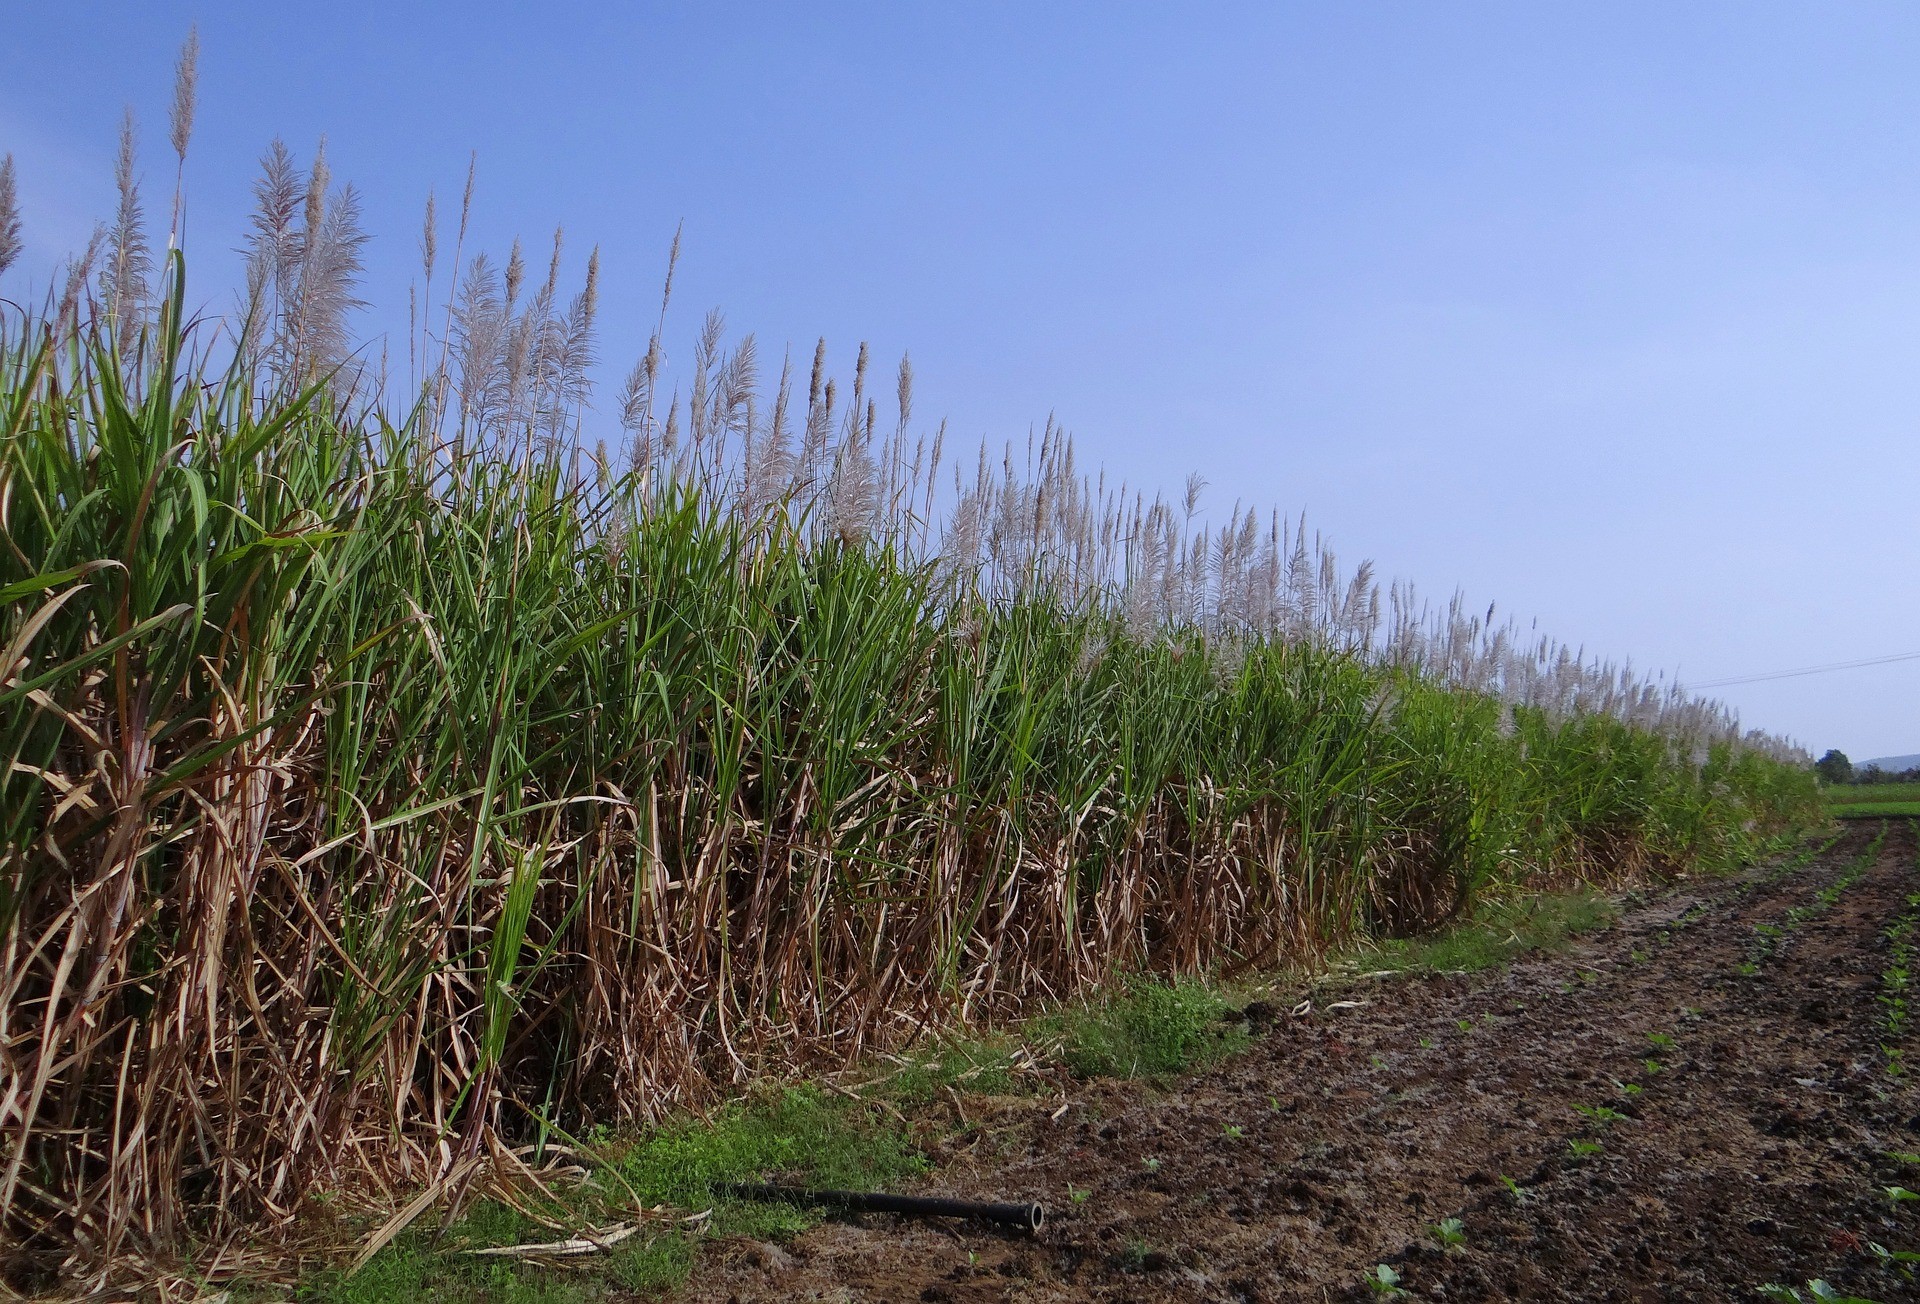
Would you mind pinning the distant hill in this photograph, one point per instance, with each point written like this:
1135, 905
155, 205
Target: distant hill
1890, 762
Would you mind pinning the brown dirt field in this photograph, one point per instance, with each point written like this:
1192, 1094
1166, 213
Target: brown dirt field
1757, 1154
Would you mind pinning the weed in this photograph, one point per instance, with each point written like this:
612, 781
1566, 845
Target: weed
1601, 1115
1581, 1149
652, 1264
986, 1063
1149, 1028
802, 1131
1232, 1132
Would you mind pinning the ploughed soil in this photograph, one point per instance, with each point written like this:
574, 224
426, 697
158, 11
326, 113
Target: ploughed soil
1757, 1151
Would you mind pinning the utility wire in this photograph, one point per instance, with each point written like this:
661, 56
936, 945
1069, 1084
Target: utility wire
1808, 670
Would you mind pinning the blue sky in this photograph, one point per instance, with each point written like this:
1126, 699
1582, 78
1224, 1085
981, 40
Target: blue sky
1608, 312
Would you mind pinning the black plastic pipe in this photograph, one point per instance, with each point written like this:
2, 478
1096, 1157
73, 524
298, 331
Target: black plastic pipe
1024, 1217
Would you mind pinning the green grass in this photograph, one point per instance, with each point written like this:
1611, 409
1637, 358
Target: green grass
1850, 793
802, 1135
1868, 810
987, 1063
1497, 933
1872, 800
798, 1134
1142, 1028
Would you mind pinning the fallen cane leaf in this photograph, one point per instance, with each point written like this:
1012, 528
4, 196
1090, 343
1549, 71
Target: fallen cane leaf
589, 1243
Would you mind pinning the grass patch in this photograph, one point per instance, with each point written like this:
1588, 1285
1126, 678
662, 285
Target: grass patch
1855, 801
802, 1135
1873, 810
989, 1063
799, 1134
1146, 1028
1498, 932
422, 1269
1846, 794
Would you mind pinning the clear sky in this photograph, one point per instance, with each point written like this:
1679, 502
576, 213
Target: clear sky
1607, 311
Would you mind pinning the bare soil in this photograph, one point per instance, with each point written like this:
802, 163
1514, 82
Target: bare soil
1757, 1152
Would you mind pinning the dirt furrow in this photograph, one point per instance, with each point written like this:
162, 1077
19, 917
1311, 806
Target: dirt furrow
1686, 1106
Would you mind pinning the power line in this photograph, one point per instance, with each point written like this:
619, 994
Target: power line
1808, 670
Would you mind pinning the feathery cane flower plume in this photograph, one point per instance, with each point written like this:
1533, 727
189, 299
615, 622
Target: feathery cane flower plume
429, 239
516, 273
78, 271
123, 281
9, 216
186, 81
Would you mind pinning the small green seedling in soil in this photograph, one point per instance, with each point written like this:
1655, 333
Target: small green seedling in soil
1817, 1290
1628, 1088
1151, 1163
1582, 1149
1519, 1193
1379, 1061
1639, 956
1895, 1258
1466, 1025
1661, 1040
1601, 1114
1451, 1233
1077, 1195
1426, 1043
1899, 1193
1653, 1066
1904, 1156
1232, 1132
1383, 1281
